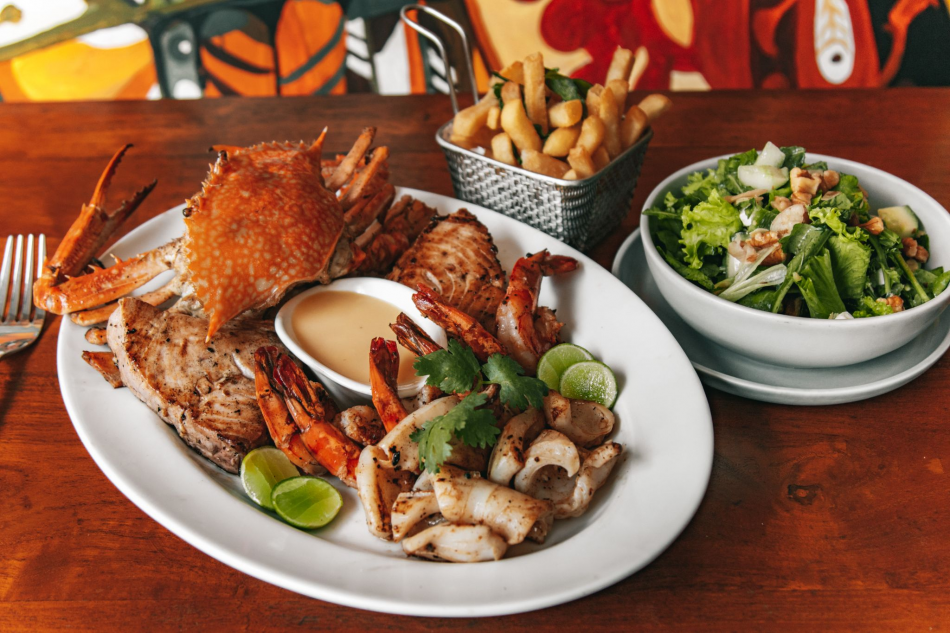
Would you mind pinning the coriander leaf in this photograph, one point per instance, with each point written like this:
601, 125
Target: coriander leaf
473, 427
434, 439
517, 390
479, 430
452, 370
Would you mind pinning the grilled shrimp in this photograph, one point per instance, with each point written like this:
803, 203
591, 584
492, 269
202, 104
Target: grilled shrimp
523, 328
288, 399
457, 323
383, 370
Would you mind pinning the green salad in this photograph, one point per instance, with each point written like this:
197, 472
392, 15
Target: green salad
770, 232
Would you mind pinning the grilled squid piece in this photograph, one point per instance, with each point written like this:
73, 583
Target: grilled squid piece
585, 423
456, 544
465, 497
550, 450
379, 485
397, 443
571, 495
412, 508
508, 457
405, 453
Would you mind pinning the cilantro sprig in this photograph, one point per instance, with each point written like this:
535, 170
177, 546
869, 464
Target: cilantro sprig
457, 370
468, 423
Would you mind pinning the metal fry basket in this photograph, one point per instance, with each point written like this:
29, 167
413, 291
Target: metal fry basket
578, 212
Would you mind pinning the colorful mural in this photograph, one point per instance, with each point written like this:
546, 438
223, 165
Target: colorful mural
131, 49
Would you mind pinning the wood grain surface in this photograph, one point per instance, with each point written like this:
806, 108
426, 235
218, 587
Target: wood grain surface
824, 518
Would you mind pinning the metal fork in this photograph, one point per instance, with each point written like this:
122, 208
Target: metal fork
17, 329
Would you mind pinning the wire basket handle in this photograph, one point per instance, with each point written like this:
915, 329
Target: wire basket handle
432, 37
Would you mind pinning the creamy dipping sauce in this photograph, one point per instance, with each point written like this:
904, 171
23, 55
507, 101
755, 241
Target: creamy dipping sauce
336, 328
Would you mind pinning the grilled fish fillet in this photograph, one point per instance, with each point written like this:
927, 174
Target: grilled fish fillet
456, 257
205, 390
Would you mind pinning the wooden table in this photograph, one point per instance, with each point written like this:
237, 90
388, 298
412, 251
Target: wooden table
828, 517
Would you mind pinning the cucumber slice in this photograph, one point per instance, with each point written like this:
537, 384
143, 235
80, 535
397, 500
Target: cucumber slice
901, 220
771, 155
762, 176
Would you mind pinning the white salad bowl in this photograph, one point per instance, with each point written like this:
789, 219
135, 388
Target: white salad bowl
798, 341
346, 391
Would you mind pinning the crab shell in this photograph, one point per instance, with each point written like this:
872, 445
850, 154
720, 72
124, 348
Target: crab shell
263, 222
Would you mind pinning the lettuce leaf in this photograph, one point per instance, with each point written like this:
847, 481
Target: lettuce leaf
803, 242
707, 226
759, 300
697, 183
831, 217
698, 277
817, 285
727, 171
869, 307
850, 261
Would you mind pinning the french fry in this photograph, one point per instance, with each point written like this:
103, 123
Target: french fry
593, 99
570, 175
592, 134
620, 65
619, 88
654, 106
561, 140
640, 60
566, 113
543, 164
632, 126
469, 120
610, 115
510, 92
481, 138
534, 91
581, 163
518, 126
494, 118
502, 150
513, 72
601, 158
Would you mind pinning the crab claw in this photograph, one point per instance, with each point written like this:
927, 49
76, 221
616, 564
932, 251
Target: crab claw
86, 237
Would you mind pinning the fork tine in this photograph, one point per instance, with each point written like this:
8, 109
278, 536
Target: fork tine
5, 275
28, 279
40, 313
17, 280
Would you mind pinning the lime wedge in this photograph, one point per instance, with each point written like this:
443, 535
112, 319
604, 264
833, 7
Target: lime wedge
306, 502
557, 359
261, 470
589, 380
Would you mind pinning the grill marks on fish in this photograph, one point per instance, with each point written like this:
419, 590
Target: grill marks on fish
456, 257
208, 396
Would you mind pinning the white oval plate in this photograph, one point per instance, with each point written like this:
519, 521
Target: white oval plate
663, 422
734, 373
